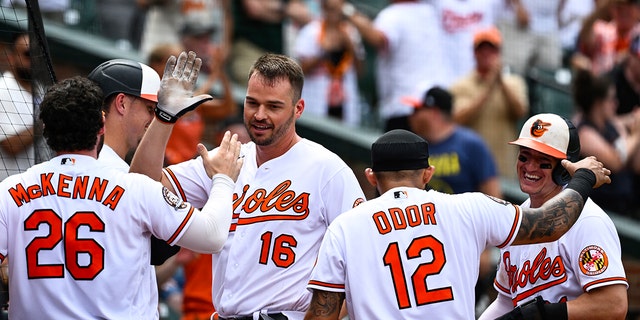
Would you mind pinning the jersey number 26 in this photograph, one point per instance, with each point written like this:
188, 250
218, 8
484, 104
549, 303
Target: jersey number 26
66, 232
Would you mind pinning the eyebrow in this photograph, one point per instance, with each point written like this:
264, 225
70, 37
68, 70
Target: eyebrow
271, 102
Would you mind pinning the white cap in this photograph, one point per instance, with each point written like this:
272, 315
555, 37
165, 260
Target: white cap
547, 133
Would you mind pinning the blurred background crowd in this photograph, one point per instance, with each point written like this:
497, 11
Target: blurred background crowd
368, 66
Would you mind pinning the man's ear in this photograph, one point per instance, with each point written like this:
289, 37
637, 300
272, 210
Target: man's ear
427, 174
371, 177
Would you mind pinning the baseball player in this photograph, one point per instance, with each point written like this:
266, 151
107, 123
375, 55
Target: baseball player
288, 192
422, 247
576, 275
130, 91
77, 230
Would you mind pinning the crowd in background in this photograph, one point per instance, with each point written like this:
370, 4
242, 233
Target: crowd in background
476, 53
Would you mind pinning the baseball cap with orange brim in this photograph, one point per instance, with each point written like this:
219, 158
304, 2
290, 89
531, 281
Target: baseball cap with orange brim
546, 133
489, 35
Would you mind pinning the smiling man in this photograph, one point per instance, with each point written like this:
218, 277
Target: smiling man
574, 276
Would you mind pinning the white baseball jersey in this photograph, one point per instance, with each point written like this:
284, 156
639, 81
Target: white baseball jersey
413, 54
281, 212
411, 253
78, 235
588, 256
459, 20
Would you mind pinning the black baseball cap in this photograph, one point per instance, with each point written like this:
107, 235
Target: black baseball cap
398, 150
436, 97
127, 76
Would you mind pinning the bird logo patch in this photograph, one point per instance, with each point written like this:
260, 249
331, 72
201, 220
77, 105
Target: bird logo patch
538, 128
593, 260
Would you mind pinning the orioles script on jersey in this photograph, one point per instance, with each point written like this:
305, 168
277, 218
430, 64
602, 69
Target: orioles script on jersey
542, 267
80, 187
411, 216
287, 204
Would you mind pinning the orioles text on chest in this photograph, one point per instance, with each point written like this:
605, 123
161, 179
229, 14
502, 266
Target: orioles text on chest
399, 219
68, 187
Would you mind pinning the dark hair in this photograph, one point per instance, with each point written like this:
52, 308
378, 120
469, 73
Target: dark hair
275, 67
71, 112
589, 89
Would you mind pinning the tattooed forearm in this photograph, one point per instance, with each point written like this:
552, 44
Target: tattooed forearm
552, 220
325, 305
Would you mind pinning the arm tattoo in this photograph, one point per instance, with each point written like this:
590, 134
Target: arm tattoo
552, 220
325, 304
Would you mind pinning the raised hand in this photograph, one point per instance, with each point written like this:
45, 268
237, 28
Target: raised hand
175, 96
226, 159
590, 163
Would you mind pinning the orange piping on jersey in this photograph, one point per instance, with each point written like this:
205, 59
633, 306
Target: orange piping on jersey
513, 227
173, 178
184, 222
326, 285
533, 291
500, 287
245, 221
599, 281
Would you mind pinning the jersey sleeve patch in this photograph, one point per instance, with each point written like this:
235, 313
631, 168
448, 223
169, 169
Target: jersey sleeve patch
172, 199
593, 260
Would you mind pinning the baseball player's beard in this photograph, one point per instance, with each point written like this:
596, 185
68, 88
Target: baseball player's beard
278, 132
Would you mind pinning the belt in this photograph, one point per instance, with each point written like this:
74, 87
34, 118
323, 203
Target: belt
262, 316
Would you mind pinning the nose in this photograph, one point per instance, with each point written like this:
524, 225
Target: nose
260, 113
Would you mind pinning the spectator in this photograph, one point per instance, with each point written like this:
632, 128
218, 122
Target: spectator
331, 54
16, 109
626, 77
407, 40
571, 16
609, 140
490, 101
604, 43
258, 28
531, 35
462, 161
459, 23
578, 273
166, 18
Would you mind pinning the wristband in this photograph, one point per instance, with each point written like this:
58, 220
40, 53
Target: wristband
164, 116
556, 311
583, 181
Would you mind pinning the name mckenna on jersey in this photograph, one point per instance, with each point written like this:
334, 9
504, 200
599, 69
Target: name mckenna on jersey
68, 187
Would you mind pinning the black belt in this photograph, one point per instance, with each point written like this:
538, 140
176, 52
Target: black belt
268, 316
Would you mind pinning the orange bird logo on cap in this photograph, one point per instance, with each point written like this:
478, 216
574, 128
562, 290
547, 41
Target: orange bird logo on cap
538, 128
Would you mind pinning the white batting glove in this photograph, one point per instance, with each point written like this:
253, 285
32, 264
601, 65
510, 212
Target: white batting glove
175, 96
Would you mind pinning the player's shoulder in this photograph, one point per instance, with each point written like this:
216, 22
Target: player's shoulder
314, 151
593, 210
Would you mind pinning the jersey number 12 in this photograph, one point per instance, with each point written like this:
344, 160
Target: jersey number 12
423, 295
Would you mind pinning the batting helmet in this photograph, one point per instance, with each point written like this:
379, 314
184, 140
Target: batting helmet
126, 76
552, 135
